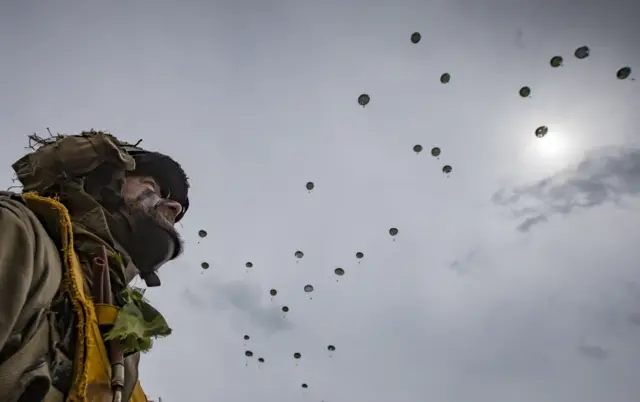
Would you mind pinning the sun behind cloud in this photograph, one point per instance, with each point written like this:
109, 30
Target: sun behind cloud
554, 144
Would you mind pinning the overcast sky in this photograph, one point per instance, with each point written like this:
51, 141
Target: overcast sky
516, 278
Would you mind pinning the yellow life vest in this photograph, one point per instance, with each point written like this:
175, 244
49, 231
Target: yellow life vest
92, 370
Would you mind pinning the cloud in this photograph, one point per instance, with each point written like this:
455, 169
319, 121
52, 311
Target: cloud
242, 299
463, 265
605, 175
594, 352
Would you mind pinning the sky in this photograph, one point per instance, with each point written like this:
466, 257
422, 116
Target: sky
515, 277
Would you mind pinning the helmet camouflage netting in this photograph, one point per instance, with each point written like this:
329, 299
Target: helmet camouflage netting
97, 155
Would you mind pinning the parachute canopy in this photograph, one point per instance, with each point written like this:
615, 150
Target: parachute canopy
297, 355
204, 265
446, 169
273, 292
310, 186
246, 337
299, 254
582, 52
623, 73
435, 151
556, 61
415, 37
338, 271
363, 100
248, 353
331, 348
445, 78
285, 309
260, 359
304, 385
525, 92
249, 264
417, 148
202, 233
541, 131
308, 288
359, 255
393, 231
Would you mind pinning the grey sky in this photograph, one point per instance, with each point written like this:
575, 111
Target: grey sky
515, 279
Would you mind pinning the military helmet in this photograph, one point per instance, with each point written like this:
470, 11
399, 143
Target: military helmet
103, 161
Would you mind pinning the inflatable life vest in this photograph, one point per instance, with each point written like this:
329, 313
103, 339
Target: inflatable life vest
92, 370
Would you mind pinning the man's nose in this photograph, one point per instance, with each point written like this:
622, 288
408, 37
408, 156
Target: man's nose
170, 209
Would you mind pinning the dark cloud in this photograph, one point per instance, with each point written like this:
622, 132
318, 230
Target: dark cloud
463, 265
193, 299
634, 318
593, 352
529, 222
604, 175
244, 298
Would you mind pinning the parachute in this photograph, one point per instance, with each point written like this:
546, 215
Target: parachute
623, 73
246, 337
556, 61
363, 100
202, 233
582, 52
248, 353
524, 91
541, 131
249, 264
205, 265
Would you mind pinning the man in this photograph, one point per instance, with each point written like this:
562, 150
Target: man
94, 213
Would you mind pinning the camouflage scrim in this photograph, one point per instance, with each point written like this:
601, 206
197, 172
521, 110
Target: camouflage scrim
95, 161
63, 158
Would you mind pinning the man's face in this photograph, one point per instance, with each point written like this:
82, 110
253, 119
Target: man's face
145, 191
154, 239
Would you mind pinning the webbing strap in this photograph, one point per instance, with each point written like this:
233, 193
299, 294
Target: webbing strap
106, 314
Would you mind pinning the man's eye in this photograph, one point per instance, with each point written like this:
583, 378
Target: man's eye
151, 184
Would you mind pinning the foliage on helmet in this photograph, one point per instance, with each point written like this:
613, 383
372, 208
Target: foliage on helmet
96, 161
59, 159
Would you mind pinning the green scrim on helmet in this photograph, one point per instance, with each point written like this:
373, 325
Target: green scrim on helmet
137, 323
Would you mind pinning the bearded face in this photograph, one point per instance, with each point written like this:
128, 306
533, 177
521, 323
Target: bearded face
153, 240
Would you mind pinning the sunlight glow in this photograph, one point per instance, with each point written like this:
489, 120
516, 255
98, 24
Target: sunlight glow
558, 149
553, 145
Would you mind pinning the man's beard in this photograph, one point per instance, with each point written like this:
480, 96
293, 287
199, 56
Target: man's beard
152, 240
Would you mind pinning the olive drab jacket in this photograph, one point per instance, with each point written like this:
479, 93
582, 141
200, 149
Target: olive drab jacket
50, 329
